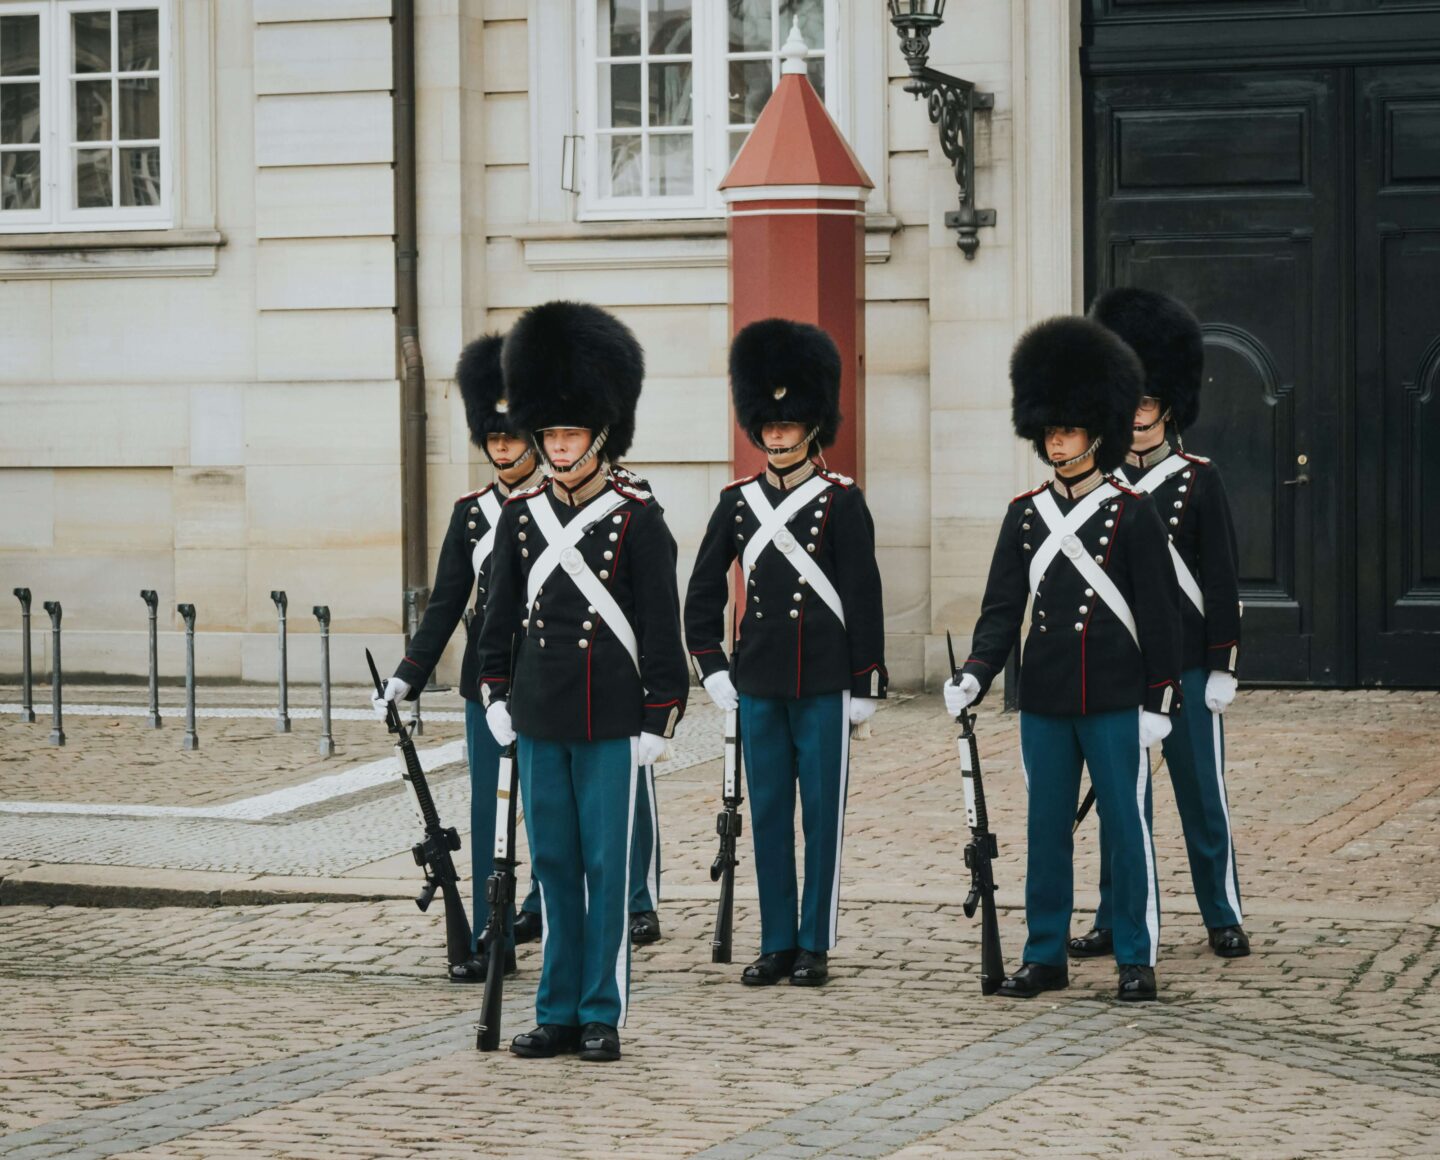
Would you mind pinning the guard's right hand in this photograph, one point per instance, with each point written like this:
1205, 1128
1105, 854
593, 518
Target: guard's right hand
722, 691
498, 718
395, 690
960, 697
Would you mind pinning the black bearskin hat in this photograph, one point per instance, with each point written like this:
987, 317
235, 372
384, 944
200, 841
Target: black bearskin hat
1166, 336
786, 372
482, 388
1071, 372
571, 364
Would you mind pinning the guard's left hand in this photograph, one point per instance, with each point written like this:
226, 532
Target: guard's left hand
1220, 691
862, 709
650, 749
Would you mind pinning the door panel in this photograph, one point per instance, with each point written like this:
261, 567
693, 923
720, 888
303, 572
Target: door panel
1223, 189
1397, 207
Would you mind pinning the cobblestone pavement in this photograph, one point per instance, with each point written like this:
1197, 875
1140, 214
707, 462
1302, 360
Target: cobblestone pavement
326, 1030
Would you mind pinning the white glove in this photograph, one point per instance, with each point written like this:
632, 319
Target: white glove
395, 690
1154, 728
1219, 691
862, 709
958, 697
722, 691
649, 749
498, 718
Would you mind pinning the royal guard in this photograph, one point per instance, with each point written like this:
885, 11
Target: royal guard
461, 581
810, 658
580, 656
1100, 672
1191, 500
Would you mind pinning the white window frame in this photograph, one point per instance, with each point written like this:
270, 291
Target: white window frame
57, 215
710, 103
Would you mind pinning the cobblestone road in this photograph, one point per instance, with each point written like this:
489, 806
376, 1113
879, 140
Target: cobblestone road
325, 1030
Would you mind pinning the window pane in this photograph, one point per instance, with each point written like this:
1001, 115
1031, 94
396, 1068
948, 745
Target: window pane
669, 26
92, 111
670, 94
749, 90
816, 71
19, 46
19, 114
812, 20
140, 109
92, 178
619, 96
140, 176
92, 41
620, 166
672, 165
750, 29
619, 32
140, 41
20, 180
737, 140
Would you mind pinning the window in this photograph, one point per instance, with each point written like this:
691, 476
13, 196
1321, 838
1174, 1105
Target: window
85, 142
669, 89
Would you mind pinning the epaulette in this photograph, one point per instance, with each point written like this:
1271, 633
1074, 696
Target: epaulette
529, 493
1120, 486
1028, 494
835, 477
741, 482
1195, 458
473, 494
630, 491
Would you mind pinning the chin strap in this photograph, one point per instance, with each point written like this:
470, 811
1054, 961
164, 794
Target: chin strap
596, 446
1165, 414
514, 463
1087, 452
805, 442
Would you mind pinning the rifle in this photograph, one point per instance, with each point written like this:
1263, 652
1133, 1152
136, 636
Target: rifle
981, 850
432, 854
728, 822
500, 896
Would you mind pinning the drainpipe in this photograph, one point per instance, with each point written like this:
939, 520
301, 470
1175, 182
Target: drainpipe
407, 309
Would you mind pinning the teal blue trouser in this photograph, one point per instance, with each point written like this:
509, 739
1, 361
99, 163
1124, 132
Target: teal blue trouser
580, 799
790, 742
645, 855
1053, 749
1195, 756
484, 753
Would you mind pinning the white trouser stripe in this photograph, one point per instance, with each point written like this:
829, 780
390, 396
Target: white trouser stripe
840, 815
622, 957
1232, 888
1152, 902
652, 879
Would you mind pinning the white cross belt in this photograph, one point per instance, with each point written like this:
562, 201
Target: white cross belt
1151, 480
1064, 539
490, 509
773, 530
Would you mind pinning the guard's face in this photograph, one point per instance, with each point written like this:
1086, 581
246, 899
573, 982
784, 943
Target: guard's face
504, 448
1062, 443
778, 436
1147, 412
564, 445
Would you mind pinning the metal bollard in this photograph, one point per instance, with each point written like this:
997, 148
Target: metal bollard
57, 729
282, 717
327, 739
27, 696
192, 739
152, 602
412, 626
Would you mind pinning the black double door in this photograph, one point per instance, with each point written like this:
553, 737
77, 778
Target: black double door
1298, 212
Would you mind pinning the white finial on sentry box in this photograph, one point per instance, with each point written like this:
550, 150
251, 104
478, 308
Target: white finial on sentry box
793, 53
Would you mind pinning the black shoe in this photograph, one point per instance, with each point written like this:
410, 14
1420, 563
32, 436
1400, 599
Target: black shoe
1229, 942
528, 927
1092, 944
475, 968
812, 969
599, 1043
1137, 983
1032, 978
546, 1041
644, 928
769, 969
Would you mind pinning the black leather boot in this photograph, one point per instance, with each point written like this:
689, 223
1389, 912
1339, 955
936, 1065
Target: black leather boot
1137, 983
474, 969
812, 969
769, 969
644, 928
1229, 942
528, 927
599, 1043
1032, 978
1092, 945
546, 1041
